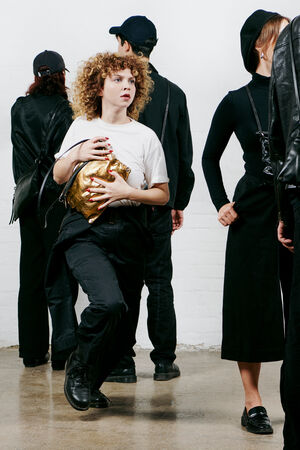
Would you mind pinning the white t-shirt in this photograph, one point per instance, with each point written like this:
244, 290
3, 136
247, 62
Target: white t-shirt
133, 144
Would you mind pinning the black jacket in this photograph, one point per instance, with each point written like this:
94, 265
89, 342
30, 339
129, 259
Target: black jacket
284, 125
32, 129
177, 141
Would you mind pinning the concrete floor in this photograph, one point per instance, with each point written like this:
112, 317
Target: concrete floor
200, 410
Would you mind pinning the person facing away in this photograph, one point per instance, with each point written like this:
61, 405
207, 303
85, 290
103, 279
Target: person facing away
138, 36
106, 256
284, 129
39, 122
253, 330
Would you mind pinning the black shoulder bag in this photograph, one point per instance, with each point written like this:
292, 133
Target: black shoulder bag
264, 142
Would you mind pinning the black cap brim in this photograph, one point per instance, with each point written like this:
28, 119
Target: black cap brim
114, 30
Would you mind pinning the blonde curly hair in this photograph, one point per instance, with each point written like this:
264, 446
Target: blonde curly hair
91, 77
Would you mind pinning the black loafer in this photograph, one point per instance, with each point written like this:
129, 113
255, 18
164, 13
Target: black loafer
166, 370
33, 362
122, 375
99, 400
257, 421
77, 385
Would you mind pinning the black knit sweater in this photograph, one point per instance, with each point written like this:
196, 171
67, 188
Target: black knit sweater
234, 114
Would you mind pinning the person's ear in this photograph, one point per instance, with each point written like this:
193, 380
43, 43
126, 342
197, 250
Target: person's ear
260, 52
127, 47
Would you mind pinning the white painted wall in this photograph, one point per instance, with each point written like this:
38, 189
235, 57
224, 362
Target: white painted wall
198, 49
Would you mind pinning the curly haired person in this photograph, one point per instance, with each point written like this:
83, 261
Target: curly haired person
107, 256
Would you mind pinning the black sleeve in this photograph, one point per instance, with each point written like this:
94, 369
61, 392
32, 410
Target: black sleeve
186, 176
55, 136
276, 138
221, 129
60, 127
277, 154
23, 153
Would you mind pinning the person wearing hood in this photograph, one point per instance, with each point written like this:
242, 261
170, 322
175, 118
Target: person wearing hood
253, 328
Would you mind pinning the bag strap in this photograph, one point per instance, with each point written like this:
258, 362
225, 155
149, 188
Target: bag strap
69, 183
166, 113
254, 110
45, 181
294, 68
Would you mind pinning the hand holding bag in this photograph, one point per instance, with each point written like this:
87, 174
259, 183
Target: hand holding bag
75, 192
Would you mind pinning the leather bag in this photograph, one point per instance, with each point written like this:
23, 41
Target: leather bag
263, 136
26, 190
75, 191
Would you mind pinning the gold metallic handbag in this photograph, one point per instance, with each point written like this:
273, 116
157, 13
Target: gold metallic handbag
75, 192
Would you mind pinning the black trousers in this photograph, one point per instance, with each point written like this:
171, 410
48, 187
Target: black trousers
290, 372
108, 262
160, 302
158, 276
36, 243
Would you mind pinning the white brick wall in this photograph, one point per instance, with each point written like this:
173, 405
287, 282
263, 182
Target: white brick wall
204, 59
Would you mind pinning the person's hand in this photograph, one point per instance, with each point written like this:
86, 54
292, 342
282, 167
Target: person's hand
177, 219
111, 191
227, 215
281, 234
94, 149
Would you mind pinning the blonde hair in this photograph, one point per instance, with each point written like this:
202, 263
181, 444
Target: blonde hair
91, 76
268, 35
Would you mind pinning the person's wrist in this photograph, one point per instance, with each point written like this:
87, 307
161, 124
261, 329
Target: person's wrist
130, 193
75, 154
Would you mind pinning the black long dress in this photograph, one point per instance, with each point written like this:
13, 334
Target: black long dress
253, 329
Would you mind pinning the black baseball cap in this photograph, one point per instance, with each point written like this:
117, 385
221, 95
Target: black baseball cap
249, 34
49, 59
137, 29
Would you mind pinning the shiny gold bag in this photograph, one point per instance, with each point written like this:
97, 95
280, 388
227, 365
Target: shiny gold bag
75, 192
